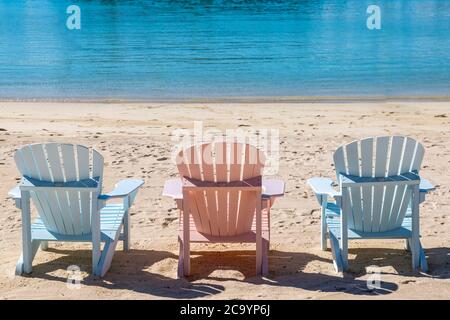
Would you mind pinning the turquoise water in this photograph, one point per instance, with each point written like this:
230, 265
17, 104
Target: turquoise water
194, 49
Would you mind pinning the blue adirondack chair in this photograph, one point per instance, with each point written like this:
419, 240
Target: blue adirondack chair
64, 182
379, 195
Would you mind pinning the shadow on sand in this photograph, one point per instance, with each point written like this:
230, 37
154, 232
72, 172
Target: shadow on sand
139, 271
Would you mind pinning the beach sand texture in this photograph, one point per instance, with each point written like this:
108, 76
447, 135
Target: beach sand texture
135, 139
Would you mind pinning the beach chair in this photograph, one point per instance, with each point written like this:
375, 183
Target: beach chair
64, 182
379, 195
223, 198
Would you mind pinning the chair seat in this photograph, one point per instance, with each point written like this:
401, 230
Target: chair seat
334, 226
111, 218
249, 237
333, 210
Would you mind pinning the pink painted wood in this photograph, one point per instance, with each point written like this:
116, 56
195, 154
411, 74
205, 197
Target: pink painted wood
222, 199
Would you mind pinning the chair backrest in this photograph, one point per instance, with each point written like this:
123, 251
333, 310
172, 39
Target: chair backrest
222, 212
62, 212
378, 208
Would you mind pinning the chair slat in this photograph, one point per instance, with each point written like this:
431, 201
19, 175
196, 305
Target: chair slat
70, 173
367, 157
54, 162
408, 155
202, 210
395, 156
339, 161
207, 164
418, 157
381, 156
351, 151
84, 173
233, 212
367, 208
212, 212
400, 194
221, 161
41, 162
378, 199
356, 221
193, 207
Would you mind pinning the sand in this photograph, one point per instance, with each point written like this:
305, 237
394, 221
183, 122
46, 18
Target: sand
135, 139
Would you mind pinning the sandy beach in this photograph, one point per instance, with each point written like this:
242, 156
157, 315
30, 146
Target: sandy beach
135, 139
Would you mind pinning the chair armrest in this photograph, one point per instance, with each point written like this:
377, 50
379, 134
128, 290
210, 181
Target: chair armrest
86, 185
14, 193
122, 189
173, 188
323, 187
272, 188
426, 186
407, 178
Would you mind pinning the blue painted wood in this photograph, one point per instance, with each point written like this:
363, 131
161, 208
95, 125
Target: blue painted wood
343, 241
333, 210
323, 220
408, 178
123, 188
426, 186
415, 232
322, 187
111, 218
403, 232
86, 185
64, 189
337, 258
423, 260
14, 193
26, 235
377, 199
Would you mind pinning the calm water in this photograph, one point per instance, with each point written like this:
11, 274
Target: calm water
189, 49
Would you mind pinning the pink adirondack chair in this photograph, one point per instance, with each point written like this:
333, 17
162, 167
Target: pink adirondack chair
223, 198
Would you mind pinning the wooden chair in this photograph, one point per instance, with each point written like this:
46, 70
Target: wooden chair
64, 182
379, 195
222, 197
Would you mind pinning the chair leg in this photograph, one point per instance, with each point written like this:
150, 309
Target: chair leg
29, 256
184, 263
180, 272
126, 232
106, 257
415, 238
336, 251
186, 258
96, 255
415, 247
407, 246
323, 241
423, 259
44, 245
186, 234
265, 257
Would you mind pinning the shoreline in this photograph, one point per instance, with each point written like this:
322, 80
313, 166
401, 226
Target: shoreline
262, 99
